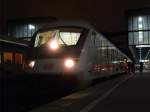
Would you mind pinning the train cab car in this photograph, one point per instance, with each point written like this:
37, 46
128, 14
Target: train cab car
12, 55
73, 49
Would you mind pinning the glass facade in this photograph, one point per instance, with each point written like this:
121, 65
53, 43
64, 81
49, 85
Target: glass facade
26, 30
26, 27
139, 30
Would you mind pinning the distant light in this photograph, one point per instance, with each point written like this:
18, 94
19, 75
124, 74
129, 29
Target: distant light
140, 46
103, 69
140, 19
115, 61
31, 27
31, 64
140, 26
143, 60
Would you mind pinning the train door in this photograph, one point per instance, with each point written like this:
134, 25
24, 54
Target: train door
7, 60
89, 56
8, 57
96, 58
93, 51
18, 59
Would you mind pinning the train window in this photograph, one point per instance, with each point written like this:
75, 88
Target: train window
65, 36
69, 38
18, 58
44, 37
8, 57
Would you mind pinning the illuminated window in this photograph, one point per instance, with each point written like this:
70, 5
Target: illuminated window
140, 26
140, 36
140, 19
8, 57
66, 37
18, 58
31, 27
44, 37
69, 38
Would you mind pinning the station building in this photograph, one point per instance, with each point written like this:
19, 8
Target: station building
139, 34
26, 27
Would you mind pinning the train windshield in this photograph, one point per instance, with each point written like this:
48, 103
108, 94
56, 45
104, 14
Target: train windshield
64, 36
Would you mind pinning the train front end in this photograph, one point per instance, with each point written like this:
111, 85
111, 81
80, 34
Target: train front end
56, 51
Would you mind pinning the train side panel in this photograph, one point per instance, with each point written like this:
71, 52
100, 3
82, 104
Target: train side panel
100, 58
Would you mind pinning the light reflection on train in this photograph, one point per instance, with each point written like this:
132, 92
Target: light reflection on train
73, 49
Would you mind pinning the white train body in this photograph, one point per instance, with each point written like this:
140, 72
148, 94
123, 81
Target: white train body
87, 55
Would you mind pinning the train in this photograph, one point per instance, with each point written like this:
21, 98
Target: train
12, 55
73, 49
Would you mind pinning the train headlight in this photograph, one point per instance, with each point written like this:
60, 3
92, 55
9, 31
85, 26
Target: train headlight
69, 63
53, 44
31, 64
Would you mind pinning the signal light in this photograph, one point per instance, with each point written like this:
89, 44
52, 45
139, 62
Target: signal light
31, 64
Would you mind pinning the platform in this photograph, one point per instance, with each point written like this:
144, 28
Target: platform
129, 94
80, 101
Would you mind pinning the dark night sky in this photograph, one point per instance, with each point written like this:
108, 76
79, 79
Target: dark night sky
106, 15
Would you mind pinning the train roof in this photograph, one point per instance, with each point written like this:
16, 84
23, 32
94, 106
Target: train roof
74, 23
14, 41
